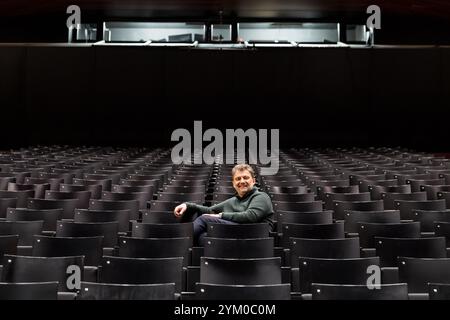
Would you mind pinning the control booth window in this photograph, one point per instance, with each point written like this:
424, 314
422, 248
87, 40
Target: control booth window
280, 32
154, 32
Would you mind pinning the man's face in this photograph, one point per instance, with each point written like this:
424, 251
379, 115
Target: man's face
243, 182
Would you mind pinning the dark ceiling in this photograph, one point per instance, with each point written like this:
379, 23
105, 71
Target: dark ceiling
240, 8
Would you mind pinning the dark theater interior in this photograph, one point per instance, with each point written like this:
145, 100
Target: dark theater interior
226, 150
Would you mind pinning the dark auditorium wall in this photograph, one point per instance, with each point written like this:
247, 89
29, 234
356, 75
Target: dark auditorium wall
139, 95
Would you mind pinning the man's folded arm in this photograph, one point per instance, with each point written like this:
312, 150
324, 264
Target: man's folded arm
196, 208
260, 207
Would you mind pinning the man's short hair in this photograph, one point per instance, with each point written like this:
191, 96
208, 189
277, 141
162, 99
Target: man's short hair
242, 167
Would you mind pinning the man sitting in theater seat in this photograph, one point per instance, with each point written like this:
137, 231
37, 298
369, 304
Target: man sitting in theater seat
248, 205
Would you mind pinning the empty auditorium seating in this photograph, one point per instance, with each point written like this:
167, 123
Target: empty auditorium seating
337, 213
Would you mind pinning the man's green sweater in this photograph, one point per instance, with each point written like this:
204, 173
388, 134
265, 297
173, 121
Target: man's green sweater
253, 207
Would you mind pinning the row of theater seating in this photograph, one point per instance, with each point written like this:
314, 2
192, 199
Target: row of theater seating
109, 212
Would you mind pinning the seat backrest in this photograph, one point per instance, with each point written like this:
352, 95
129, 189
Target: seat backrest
315, 217
340, 207
334, 271
406, 207
238, 248
82, 196
29, 291
376, 191
293, 197
330, 197
122, 217
389, 249
49, 216
95, 189
132, 205
311, 231
345, 248
24, 229
442, 229
141, 197
41, 269
109, 291
384, 216
261, 271
122, 270
208, 291
163, 230
6, 203
68, 205
89, 247
298, 206
8, 245
439, 291
390, 198
396, 291
158, 217
238, 231
149, 189
182, 197
418, 272
105, 183
155, 248
107, 230
368, 231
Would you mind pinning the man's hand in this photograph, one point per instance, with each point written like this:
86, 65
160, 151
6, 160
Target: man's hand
179, 210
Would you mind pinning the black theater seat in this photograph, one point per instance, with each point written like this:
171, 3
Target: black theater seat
207, 291
240, 271
29, 291
239, 248
120, 270
334, 271
89, 247
109, 291
359, 292
238, 231
21, 269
